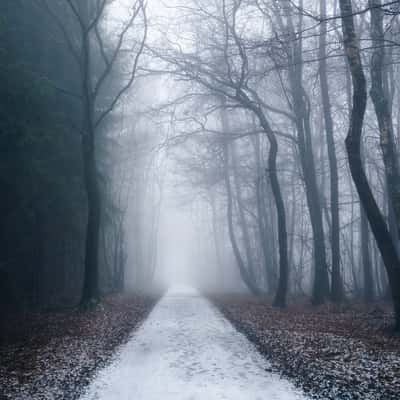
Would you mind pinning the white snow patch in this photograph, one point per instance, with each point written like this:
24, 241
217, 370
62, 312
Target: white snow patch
186, 350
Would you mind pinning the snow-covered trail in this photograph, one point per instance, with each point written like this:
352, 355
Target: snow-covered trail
186, 350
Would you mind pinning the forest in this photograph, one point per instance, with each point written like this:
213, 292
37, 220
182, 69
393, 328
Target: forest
190, 183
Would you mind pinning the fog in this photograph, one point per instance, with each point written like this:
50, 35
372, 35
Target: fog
202, 142
199, 198
190, 108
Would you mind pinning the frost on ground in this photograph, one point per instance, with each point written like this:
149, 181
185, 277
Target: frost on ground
54, 356
186, 350
332, 353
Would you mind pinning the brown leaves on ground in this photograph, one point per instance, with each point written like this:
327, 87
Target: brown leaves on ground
54, 355
332, 352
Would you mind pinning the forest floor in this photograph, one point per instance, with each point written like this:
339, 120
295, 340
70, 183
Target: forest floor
55, 355
330, 352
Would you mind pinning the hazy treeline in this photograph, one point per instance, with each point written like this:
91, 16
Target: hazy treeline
72, 157
282, 117
274, 101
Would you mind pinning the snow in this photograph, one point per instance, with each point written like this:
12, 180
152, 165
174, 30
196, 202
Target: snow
186, 350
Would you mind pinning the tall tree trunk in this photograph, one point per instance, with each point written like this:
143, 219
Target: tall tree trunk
90, 284
236, 251
321, 279
293, 220
90, 292
366, 258
301, 112
281, 293
353, 142
261, 217
217, 244
261, 220
336, 280
382, 107
241, 215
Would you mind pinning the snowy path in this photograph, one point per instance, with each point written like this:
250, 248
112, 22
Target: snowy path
186, 350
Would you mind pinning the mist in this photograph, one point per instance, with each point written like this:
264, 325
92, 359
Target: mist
207, 191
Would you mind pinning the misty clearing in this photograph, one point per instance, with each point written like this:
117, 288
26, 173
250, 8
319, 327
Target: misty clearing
201, 199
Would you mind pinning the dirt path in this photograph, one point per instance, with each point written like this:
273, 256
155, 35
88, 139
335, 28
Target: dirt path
186, 350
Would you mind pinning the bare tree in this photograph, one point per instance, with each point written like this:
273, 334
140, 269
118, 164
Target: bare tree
84, 44
353, 141
380, 98
336, 280
231, 83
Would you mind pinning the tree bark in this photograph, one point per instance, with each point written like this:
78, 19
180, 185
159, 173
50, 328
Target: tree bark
90, 290
353, 142
217, 244
281, 293
336, 280
382, 107
301, 112
366, 258
241, 265
261, 220
241, 215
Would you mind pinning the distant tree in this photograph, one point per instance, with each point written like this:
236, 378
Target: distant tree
85, 37
43, 206
336, 280
227, 75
